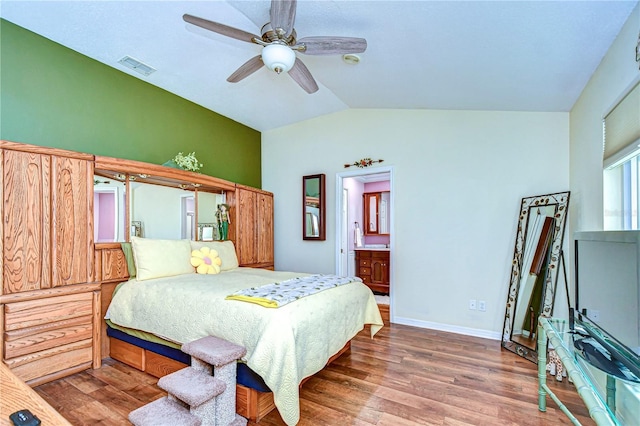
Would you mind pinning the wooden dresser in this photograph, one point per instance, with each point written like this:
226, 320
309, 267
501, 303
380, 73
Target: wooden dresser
373, 267
49, 300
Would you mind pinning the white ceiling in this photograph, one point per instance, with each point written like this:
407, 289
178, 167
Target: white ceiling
473, 55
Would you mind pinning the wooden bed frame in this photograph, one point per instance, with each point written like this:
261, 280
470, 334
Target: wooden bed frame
250, 403
111, 269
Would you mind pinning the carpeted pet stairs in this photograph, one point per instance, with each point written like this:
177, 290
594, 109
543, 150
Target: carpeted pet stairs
195, 396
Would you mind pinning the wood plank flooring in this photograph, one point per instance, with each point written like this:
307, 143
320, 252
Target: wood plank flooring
404, 376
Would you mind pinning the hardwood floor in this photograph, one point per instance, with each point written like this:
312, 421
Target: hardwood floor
404, 376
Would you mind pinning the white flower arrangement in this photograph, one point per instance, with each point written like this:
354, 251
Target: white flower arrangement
188, 162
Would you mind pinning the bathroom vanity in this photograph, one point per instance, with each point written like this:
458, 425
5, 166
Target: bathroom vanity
372, 265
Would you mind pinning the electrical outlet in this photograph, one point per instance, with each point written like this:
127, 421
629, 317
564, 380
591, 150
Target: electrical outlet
472, 304
482, 305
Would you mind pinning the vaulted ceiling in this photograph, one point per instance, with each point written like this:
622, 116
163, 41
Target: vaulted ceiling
471, 55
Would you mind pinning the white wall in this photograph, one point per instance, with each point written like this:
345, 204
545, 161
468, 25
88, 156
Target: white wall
159, 210
613, 76
458, 180
615, 73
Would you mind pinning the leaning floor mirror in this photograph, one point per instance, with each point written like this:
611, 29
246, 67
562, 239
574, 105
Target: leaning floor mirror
537, 256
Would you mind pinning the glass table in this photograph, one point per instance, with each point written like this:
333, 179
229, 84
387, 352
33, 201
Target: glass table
610, 391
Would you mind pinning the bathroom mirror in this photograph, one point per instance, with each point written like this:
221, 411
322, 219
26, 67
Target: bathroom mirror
376, 213
534, 270
313, 207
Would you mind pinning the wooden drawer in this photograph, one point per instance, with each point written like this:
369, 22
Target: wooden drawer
127, 353
111, 264
160, 366
253, 405
384, 255
42, 363
33, 313
51, 336
365, 262
365, 271
38, 338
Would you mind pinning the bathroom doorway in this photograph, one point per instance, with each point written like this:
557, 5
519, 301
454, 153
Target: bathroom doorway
351, 236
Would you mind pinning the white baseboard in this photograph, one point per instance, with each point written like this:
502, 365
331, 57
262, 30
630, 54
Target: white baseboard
486, 334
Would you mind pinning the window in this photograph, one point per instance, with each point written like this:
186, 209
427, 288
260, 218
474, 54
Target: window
621, 195
621, 134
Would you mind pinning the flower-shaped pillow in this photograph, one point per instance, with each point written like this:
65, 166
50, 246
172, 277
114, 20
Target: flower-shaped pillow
206, 261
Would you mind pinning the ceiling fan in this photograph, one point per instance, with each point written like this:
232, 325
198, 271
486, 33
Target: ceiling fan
280, 44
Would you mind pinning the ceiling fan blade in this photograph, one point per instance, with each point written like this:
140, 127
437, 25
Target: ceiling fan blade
332, 45
246, 69
300, 73
220, 28
283, 15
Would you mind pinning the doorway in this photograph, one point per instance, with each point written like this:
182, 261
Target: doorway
350, 187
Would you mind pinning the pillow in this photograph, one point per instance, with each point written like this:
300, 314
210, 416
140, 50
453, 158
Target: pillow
206, 261
225, 249
161, 258
128, 256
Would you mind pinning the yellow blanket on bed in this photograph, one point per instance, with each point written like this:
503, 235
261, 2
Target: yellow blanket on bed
284, 345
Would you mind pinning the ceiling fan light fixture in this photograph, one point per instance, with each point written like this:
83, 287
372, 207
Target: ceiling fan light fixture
278, 57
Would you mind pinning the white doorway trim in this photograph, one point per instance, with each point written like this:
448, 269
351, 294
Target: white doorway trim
341, 268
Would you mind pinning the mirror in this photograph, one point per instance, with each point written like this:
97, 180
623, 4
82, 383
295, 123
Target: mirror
162, 212
155, 211
207, 225
170, 213
109, 203
534, 274
313, 207
376, 213
154, 201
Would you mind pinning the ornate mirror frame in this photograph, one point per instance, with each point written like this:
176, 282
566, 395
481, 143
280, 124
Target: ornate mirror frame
526, 247
313, 208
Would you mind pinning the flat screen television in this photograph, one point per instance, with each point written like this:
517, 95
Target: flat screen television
607, 297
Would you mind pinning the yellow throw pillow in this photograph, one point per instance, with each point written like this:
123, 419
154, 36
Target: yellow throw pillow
206, 261
160, 258
225, 249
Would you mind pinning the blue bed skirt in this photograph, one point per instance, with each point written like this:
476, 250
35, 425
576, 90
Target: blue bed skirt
245, 376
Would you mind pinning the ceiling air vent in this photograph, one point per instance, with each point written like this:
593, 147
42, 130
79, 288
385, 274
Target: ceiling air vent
136, 65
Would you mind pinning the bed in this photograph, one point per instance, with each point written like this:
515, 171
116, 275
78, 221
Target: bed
284, 344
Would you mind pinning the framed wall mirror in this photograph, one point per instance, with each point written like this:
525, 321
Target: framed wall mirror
313, 207
376, 213
534, 272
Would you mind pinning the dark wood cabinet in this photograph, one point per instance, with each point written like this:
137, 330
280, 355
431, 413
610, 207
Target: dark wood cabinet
373, 267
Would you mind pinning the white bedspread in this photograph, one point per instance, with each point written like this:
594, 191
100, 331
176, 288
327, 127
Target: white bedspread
284, 345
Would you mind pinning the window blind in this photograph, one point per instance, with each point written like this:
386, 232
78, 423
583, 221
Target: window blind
622, 128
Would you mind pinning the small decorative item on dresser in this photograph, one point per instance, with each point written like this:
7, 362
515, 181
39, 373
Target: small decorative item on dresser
365, 162
186, 162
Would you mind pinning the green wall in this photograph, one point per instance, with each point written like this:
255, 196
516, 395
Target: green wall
53, 96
